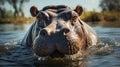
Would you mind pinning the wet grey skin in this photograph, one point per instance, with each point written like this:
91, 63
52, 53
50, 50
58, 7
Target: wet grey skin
58, 31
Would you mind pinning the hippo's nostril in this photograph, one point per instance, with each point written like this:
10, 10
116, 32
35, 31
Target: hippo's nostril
43, 32
66, 30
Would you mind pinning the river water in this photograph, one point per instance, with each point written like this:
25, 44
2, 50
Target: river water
107, 55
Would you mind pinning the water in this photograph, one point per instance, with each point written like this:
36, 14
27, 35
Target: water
106, 55
11, 32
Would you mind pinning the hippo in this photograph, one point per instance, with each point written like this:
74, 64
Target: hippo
59, 31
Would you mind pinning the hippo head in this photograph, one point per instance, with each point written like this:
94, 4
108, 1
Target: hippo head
60, 31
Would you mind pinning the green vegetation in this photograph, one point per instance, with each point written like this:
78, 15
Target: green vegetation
16, 4
109, 16
9, 17
16, 20
90, 16
104, 18
110, 13
110, 5
16, 16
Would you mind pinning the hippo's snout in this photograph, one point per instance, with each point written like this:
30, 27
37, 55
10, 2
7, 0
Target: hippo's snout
56, 44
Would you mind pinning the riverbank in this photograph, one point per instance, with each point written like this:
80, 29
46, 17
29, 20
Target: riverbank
16, 20
109, 24
24, 20
105, 23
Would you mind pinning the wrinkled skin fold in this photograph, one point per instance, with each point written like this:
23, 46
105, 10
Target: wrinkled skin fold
59, 31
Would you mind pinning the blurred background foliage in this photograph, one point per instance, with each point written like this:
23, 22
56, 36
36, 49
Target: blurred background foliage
110, 12
17, 6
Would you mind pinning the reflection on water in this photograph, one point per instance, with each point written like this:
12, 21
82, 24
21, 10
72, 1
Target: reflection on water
13, 27
107, 31
106, 55
12, 32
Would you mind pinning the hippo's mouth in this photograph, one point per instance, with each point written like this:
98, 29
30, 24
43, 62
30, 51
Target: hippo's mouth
55, 46
56, 53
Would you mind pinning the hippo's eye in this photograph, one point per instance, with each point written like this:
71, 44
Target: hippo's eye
73, 20
43, 19
41, 22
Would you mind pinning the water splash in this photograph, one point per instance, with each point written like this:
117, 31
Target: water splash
101, 49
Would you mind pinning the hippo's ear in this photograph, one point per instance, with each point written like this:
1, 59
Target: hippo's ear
79, 9
33, 11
